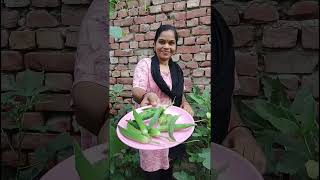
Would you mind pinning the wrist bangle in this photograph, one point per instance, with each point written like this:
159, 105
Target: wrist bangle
243, 126
144, 95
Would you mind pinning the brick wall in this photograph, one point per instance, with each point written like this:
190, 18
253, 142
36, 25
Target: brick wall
276, 38
41, 35
192, 20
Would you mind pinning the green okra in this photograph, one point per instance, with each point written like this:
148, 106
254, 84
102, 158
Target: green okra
131, 127
155, 117
133, 123
164, 128
138, 119
148, 113
134, 135
154, 132
171, 125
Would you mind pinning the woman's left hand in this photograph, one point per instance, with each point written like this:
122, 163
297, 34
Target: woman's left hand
186, 106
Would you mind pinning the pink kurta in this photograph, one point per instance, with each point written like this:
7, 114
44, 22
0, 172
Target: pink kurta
158, 159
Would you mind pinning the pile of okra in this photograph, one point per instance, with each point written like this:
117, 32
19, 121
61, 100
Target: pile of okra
139, 131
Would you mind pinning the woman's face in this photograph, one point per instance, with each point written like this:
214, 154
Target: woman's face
166, 45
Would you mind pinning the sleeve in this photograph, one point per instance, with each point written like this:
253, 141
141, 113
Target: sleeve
140, 76
236, 81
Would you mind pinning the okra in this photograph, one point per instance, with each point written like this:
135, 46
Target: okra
163, 119
171, 126
164, 128
134, 135
147, 114
133, 123
155, 117
131, 127
138, 119
154, 132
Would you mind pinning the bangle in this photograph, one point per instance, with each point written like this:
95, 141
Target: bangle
243, 126
144, 95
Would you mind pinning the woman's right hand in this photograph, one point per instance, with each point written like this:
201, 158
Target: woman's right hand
150, 99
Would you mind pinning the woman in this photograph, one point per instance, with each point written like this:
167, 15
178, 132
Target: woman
159, 80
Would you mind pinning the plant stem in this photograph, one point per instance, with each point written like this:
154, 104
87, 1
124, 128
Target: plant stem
191, 141
5, 134
306, 143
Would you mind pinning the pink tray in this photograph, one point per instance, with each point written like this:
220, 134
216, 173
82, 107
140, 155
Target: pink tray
180, 136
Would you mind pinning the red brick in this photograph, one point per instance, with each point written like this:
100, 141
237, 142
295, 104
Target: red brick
206, 48
189, 40
41, 18
9, 18
242, 36
200, 57
11, 158
34, 140
124, 45
179, 6
193, 3
123, 53
201, 81
114, 46
124, 80
22, 40
156, 2
121, 67
179, 16
33, 119
45, 3
155, 9
49, 39
61, 123
198, 73
188, 84
50, 61
180, 24
290, 81
134, 4
133, 12
17, 3
246, 64
305, 9
112, 80
201, 30
188, 49
183, 33
125, 74
205, 20
122, 13
143, 44
123, 60
144, 28
207, 72
285, 37
116, 74
145, 19
139, 37
196, 13
7, 82
205, 3
142, 11
150, 35
124, 22
261, 13
11, 61
249, 86
58, 81
167, 7
186, 72
75, 2
71, 15
192, 65
155, 26
72, 39
4, 38
161, 17
186, 57
290, 62
205, 64
128, 37
54, 102
168, 22
310, 37
193, 22
229, 13
202, 40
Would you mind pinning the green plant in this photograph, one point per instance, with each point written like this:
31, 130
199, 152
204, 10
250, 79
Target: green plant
26, 93
290, 127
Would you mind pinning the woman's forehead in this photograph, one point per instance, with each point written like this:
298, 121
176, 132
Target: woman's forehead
169, 35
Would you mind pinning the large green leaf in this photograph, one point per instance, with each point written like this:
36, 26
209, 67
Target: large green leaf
116, 146
182, 175
84, 168
205, 154
309, 114
275, 116
290, 163
102, 167
297, 106
312, 168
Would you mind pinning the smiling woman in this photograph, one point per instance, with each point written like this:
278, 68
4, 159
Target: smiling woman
159, 80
